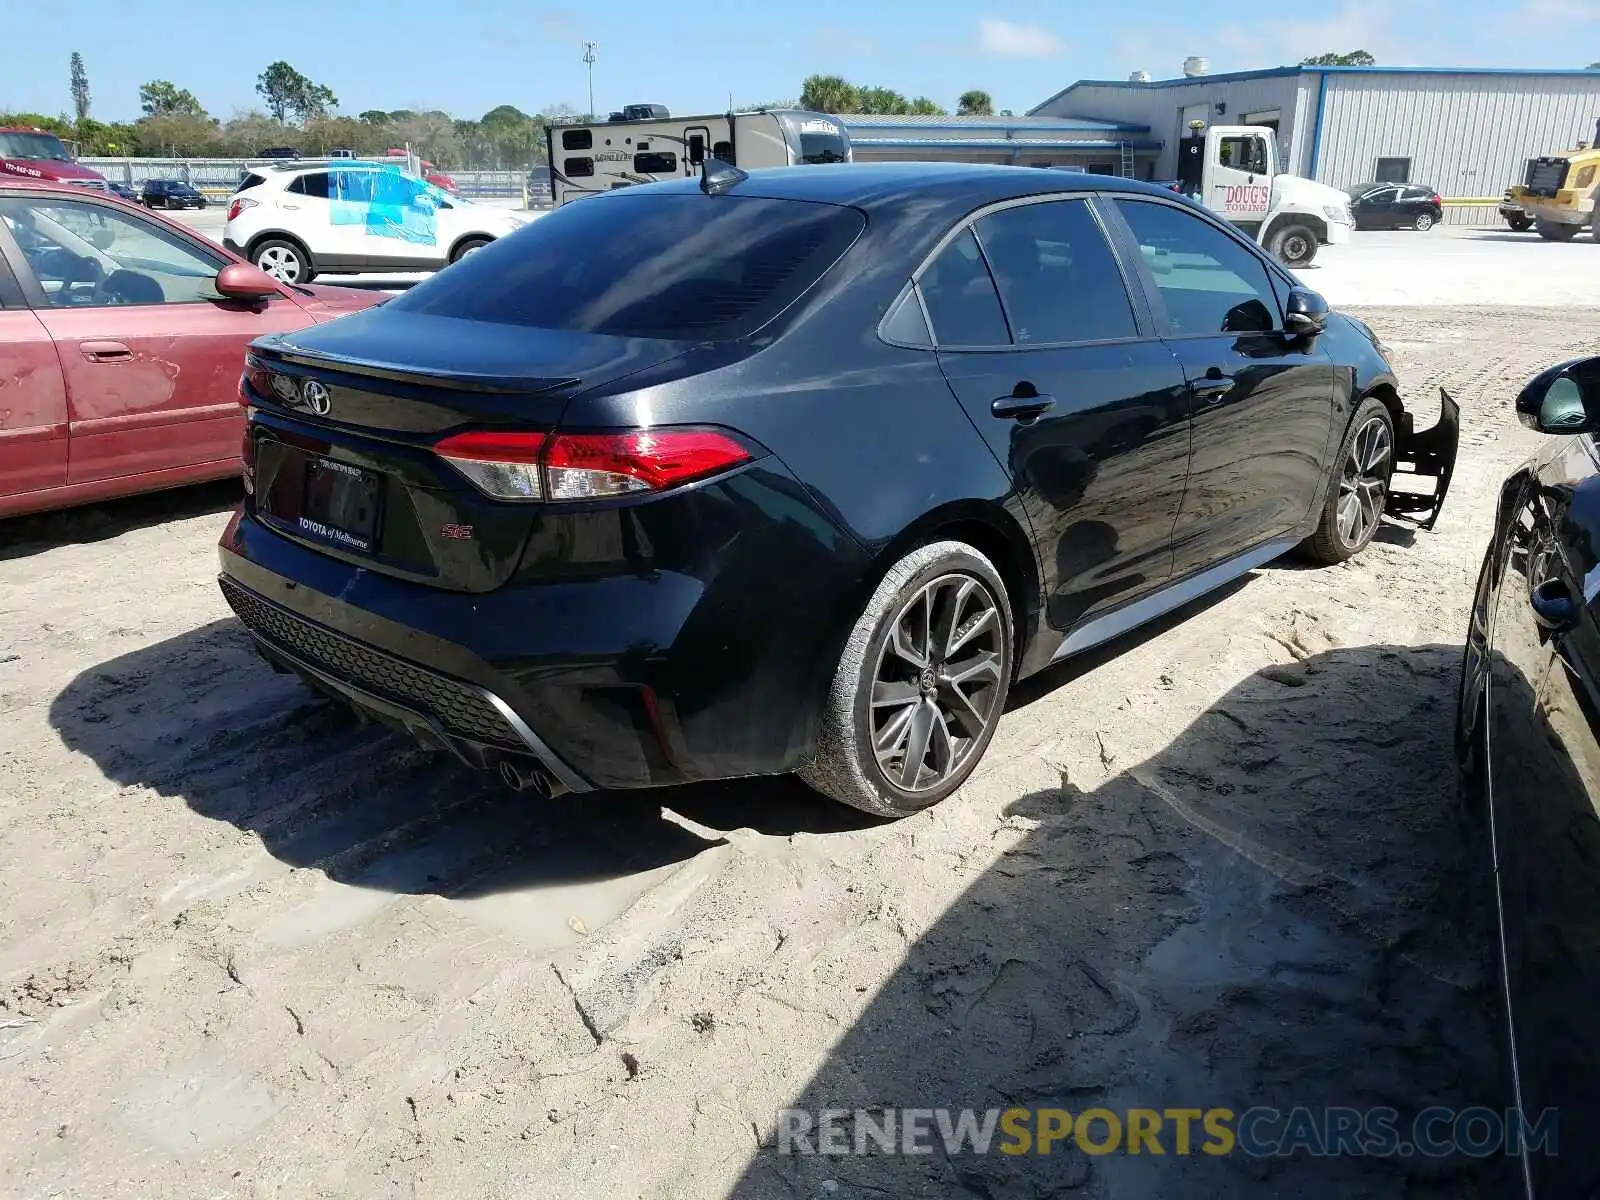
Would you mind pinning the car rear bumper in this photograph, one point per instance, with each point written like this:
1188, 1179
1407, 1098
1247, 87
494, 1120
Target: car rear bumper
229, 244
637, 679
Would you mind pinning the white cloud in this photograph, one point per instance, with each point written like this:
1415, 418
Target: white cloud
1008, 39
1354, 26
1562, 10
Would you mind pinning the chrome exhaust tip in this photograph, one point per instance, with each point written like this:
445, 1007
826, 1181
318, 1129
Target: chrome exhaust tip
525, 777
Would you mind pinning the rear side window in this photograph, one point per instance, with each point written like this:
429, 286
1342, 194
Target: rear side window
653, 266
314, 185
960, 295
655, 162
1056, 274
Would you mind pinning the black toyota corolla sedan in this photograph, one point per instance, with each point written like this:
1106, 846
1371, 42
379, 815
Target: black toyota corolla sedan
797, 470
1529, 742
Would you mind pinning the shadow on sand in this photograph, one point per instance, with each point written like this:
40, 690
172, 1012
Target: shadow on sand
1281, 908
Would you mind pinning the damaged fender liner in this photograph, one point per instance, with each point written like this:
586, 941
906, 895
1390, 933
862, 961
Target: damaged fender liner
1428, 454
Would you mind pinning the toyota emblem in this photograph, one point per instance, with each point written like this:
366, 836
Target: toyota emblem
316, 397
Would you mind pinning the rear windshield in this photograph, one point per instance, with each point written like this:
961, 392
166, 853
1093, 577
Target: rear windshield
647, 265
250, 180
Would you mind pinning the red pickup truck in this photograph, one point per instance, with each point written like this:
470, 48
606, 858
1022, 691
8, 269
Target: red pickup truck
40, 155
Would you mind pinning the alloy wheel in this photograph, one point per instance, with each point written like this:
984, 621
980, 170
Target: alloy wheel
936, 684
1424, 222
280, 262
1364, 483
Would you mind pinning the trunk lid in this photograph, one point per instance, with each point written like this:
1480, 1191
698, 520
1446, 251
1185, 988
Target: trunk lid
345, 417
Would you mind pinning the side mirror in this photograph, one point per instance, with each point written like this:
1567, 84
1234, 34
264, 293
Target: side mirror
1563, 399
1306, 313
241, 281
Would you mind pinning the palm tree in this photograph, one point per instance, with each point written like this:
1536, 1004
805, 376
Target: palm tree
830, 94
975, 104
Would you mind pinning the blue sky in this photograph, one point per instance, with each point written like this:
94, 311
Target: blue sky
466, 56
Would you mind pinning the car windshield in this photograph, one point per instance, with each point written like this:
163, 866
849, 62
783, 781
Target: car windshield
677, 266
38, 147
1357, 190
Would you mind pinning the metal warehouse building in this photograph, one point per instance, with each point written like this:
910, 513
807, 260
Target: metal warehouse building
1105, 147
1466, 132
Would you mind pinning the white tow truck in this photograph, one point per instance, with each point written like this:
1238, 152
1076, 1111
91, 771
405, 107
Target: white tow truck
1234, 171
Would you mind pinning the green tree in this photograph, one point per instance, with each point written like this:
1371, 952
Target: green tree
830, 94
178, 134
248, 133
159, 98
373, 116
1355, 58
80, 86
975, 104
288, 93
924, 107
883, 101
315, 102
281, 86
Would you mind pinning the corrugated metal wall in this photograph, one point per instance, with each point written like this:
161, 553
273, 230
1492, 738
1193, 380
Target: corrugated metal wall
1160, 106
1466, 135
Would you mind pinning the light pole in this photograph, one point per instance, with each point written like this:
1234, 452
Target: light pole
588, 58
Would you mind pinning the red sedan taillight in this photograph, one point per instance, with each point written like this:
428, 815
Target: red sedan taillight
540, 466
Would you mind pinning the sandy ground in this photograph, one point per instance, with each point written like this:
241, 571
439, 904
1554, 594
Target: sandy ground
249, 948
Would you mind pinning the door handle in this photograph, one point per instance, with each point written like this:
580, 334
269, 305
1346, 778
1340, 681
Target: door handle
290, 207
1553, 606
105, 352
1022, 408
1213, 387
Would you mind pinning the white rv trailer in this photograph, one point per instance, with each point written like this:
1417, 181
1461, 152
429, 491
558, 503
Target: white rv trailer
590, 159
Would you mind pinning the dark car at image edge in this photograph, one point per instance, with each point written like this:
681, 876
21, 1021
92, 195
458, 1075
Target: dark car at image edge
797, 470
1528, 741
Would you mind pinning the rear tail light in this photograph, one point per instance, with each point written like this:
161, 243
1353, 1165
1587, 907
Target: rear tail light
240, 203
538, 466
503, 465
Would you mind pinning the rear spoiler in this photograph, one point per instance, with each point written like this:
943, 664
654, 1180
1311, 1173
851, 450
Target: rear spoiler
1429, 454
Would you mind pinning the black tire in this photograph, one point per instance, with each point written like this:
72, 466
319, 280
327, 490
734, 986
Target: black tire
467, 247
1294, 244
274, 254
1335, 540
846, 764
1520, 224
1424, 222
1552, 231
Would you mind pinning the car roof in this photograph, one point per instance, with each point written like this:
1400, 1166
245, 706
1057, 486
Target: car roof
78, 192
874, 185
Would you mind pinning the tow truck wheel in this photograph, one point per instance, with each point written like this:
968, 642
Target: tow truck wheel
1551, 231
1294, 245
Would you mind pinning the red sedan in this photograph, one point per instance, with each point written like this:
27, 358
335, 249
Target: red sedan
122, 339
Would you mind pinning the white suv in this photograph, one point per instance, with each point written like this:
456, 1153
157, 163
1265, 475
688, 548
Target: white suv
344, 217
